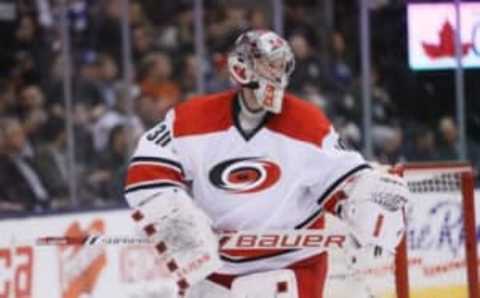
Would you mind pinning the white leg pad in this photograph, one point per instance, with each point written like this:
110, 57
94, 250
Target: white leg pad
208, 289
271, 284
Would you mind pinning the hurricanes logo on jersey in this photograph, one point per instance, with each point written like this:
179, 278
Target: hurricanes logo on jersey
245, 175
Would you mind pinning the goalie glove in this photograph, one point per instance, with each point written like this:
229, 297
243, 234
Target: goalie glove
182, 235
374, 209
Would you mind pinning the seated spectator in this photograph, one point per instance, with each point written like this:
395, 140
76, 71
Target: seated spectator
52, 165
340, 65
156, 81
389, 147
23, 187
147, 111
447, 148
31, 51
83, 117
308, 68
114, 117
88, 89
258, 19
188, 75
107, 74
31, 98
108, 34
7, 98
31, 109
298, 19
423, 147
142, 43
107, 178
384, 110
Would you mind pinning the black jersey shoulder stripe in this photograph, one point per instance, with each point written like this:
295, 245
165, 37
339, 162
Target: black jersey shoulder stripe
329, 192
340, 180
150, 186
309, 219
157, 160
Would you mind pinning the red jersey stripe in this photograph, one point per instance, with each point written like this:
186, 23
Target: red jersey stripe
151, 172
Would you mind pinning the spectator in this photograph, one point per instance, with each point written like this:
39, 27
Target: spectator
137, 14
21, 183
340, 65
389, 148
7, 98
258, 19
51, 162
108, 37
107, 177
147, 111
88, 89
31, 54
142, 43
308, 68
298, 20
31, 109
116, 117
384, 110
424, 147
447, 149
107, 74
54, 87
227, 25
156, 82
31, 98
188, 75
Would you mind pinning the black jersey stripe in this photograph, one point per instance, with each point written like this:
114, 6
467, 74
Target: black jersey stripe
329, 192
150, 186
340, 180
157, 160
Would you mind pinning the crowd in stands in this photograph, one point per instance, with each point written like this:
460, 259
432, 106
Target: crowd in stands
412, 114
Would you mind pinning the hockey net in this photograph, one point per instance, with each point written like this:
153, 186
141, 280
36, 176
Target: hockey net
439, 257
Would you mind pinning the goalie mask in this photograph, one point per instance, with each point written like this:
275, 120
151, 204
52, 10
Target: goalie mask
263, 61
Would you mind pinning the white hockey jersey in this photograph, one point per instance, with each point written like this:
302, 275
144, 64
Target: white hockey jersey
276, 178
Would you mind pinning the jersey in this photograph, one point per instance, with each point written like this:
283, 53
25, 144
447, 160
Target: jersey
278, 177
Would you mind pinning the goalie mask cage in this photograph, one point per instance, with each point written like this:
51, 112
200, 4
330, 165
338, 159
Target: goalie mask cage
451, 177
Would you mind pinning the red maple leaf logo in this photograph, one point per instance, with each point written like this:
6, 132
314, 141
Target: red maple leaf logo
446, 47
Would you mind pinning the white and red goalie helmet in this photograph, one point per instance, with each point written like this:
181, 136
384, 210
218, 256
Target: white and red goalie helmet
263, 61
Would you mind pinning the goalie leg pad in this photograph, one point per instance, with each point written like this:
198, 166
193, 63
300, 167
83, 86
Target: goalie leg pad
271, 284
183, 236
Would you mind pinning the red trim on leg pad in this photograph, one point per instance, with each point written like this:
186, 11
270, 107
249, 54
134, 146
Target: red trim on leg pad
137, 215
150, 230
161, 247
172, 266
183, 284
282, 287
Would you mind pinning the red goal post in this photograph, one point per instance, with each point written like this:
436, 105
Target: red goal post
442, 177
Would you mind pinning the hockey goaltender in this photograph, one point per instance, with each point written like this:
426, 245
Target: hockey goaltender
255, 158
